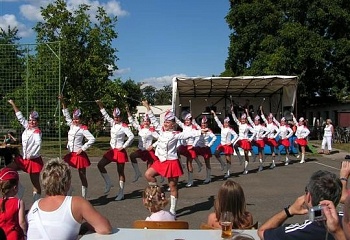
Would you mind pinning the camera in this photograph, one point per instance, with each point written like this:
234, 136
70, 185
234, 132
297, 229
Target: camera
316, 214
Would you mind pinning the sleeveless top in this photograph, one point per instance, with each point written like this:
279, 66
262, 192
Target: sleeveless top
58, 224
9, 221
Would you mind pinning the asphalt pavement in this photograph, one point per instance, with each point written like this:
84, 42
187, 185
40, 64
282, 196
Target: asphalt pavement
266, 192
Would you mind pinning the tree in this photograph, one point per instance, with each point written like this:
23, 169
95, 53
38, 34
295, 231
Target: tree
149, 93
310, 39
163, 96
87, 55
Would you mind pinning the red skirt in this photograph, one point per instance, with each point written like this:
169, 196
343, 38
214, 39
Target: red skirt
301, 141
226, 149
147, 156
168, 168
117, 156
203, 151
188, 153
271, 142
285, 142
34, 165
259, 143
245, 144
77, 160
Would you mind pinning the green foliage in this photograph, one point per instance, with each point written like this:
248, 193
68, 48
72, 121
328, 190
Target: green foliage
310, 39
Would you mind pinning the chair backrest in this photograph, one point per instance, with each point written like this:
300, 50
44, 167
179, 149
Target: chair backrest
161, 224
254, 226
205, 226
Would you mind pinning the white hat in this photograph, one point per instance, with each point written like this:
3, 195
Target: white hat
301, 119
257, 118
204, 119
145, 118
227, 119
76, 113
33, 115
283, 119
169, 116
188, 116
270, 115
244, 116
116, 112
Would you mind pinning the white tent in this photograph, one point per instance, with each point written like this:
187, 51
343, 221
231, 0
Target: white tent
276, 93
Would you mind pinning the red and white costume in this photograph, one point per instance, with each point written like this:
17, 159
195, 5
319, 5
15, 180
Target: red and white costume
285, 132
302, 132
187, 146
118, 133
146, 136
244, 141
204, 142
260, 132
166, 149
31, 162
228, 137
273, 132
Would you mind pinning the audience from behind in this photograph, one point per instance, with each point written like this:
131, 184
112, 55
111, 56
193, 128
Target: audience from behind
56, 206
344, 177
231, 198
333, 222
12, 216
155, 201
323, 185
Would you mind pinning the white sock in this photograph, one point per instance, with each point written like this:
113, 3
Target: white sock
83, 191
246, 163
173, 201
121, 187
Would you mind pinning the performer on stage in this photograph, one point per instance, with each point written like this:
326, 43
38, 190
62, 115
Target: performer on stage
77, 157
285, 132
260, 133
31, 161
228, 139
168, 164
117, 153
244, 141
271, 137
203, 144
186, 148
302, 133
145, 149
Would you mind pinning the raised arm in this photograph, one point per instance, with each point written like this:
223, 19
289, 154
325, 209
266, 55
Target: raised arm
15, 108
217, 120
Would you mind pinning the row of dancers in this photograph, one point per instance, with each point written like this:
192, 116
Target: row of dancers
160, 145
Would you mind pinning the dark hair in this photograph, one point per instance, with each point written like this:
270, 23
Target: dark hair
324, 185
5, 187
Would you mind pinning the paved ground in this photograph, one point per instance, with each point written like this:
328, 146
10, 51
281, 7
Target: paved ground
266, 192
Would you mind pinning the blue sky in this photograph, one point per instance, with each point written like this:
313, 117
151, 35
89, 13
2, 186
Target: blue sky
157, 39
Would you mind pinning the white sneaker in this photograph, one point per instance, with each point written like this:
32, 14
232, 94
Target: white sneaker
302, 161
136, 177
120, 197
245, 172
272, 166
189, 184
260, 168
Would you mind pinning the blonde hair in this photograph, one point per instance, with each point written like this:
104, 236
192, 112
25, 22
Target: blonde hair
56, 177
154, 198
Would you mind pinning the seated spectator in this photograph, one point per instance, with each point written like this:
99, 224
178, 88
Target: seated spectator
9, 138
231, 198
333, 221
323, 185
12, 216
56, 206
344, 177
155, 201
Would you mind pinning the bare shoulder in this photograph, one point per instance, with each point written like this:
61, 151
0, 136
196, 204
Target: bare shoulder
213, 221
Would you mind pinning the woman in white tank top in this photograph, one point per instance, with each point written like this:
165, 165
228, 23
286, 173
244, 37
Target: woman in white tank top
58, 216
327, 137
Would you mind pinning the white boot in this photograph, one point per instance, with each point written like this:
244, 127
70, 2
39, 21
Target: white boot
207, 179
273, 165
261, 165
287, 161
120, 195
199, 164
107, 182
221, 163
190, 179
228, 167
302, 158
173, 201
36, 196
20, 191
84, 191
137, 171
246, 163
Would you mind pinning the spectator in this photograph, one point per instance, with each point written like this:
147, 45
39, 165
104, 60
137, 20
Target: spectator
327, 137
323, 185
231, 198
344, 177
12, 216
154, 200
9, 138
56, 206
333, 222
